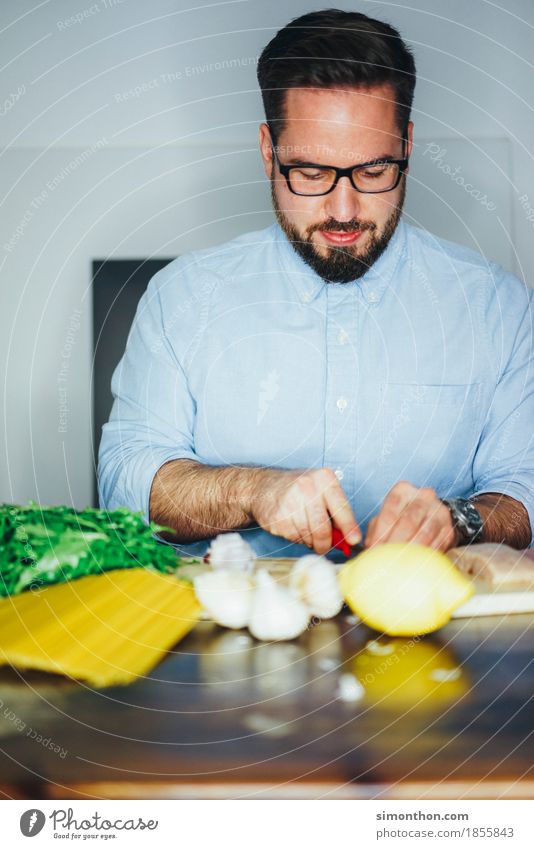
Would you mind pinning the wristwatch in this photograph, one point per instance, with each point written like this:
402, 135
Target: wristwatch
466, 520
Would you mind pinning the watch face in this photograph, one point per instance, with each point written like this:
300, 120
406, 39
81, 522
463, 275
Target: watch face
470, 519
472, 512
466, 519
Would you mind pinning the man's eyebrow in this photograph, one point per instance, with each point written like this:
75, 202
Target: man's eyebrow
304, 162
298, 161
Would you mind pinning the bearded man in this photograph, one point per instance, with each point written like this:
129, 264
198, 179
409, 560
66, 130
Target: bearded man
341, 368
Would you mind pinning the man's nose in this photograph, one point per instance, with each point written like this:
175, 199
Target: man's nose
344, 202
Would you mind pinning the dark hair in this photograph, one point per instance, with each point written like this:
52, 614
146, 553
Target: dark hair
330, 49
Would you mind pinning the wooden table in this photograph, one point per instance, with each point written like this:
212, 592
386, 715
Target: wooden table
227, 717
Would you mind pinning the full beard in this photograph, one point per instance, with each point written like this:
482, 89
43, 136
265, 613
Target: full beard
343, 263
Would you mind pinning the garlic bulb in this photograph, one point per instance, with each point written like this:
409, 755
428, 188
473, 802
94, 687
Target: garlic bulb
230, 551
313, 578
227, 596
277, 614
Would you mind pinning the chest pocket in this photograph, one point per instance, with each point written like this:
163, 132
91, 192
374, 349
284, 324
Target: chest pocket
429, 432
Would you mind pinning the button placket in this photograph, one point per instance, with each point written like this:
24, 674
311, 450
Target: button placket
342, 368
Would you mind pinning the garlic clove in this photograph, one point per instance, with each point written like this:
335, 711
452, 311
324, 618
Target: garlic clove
277, 614
314, 579
231, 551
226, 594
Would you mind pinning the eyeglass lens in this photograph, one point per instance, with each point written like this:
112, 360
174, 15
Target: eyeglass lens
315, 181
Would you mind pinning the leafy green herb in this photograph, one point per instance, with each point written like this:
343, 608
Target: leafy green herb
48, 545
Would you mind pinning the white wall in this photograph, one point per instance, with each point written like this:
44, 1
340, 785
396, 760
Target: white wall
89, 171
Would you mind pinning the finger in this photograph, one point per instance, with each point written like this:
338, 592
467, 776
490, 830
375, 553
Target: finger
409, 524
340, 510
300, 521
441, 540
437, 517
281, 524
284, 528
290, 504
307, 514
414, 507
428, 532
394, 503
370, 531
446, 537
320, 527
422, 520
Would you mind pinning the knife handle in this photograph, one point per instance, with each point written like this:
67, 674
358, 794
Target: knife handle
339, 541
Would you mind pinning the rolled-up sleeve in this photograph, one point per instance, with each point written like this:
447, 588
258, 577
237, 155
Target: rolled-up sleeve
504, 460
152, 418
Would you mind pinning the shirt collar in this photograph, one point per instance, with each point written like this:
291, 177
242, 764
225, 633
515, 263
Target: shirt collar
308, 285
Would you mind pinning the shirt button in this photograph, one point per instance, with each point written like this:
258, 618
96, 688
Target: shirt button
341, 404
343, 337
339, 473
372, 297
307, 296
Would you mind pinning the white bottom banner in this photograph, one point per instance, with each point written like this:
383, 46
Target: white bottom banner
257, 824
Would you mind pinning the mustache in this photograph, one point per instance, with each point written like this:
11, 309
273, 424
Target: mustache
343, 226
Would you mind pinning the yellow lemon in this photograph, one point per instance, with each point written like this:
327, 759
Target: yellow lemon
403, 589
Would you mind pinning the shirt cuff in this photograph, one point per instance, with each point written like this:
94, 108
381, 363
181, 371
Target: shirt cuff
135, 482
156, 464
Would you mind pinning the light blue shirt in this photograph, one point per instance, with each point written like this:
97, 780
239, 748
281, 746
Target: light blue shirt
240, 354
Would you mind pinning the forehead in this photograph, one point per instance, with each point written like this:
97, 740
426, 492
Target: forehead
352, 119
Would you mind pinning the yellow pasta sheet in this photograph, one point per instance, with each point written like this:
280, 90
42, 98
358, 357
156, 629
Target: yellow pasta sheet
104, 629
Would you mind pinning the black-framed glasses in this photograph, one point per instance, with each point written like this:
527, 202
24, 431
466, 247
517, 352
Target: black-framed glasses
373, 178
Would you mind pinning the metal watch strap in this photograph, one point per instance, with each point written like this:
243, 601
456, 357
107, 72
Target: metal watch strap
466, 520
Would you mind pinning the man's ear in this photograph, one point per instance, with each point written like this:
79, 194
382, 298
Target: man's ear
409, 137
266, 152
408, 144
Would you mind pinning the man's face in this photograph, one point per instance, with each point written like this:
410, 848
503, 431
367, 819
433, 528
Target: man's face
342, 128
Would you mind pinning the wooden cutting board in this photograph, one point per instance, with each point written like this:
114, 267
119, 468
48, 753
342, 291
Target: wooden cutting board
510, 595
510, 588
503, 577
495, 602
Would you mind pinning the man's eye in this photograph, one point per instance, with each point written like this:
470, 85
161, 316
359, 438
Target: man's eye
308, 174
376, 171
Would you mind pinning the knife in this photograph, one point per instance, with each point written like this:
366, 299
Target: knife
339, 541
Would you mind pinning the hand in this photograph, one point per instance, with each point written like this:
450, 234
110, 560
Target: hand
301, 506
410, 514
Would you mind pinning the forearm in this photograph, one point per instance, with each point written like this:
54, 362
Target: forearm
200, 501
505, 519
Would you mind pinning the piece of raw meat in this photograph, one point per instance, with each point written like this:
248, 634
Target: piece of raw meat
497, 564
